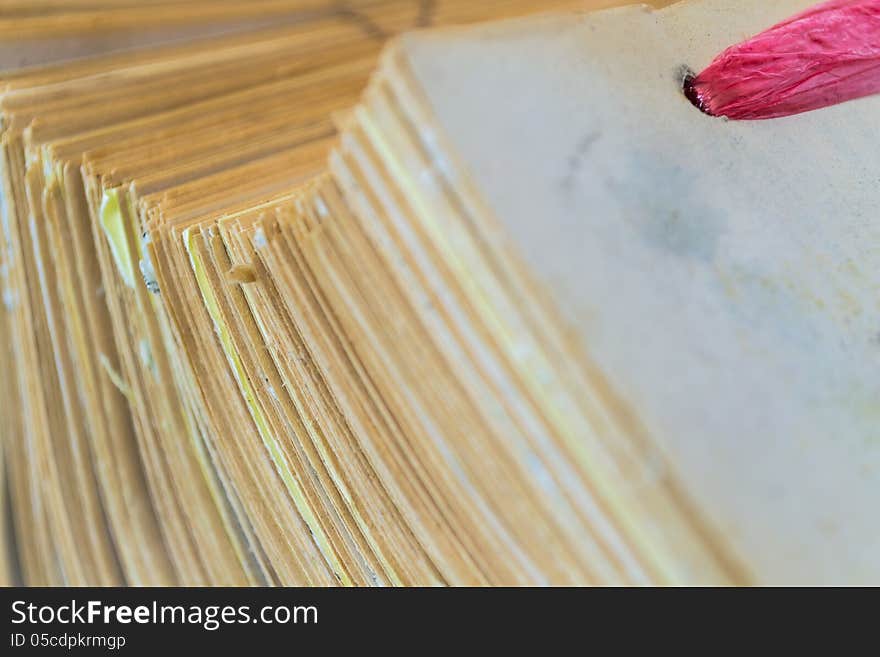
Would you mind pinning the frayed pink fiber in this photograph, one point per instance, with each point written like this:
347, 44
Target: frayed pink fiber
827, 55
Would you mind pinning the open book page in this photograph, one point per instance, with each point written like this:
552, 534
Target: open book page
723, 276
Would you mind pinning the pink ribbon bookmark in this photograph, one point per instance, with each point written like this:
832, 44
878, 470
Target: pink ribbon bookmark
826, 55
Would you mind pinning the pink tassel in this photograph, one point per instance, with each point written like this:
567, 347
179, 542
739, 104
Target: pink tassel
827, 55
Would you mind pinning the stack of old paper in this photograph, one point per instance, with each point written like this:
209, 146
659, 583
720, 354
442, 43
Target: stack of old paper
516, 314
